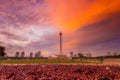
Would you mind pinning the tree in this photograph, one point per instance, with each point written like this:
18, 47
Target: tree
2, 51
101, 59
80, 56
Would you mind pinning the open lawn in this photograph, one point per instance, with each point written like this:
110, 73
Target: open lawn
57, 61
42, 61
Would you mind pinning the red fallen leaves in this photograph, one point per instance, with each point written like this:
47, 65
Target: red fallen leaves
59, 72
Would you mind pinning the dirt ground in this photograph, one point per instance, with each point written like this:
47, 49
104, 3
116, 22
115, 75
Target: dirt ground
111, 62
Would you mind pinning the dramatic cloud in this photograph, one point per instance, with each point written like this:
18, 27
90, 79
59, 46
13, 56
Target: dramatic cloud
32, 25
75, 13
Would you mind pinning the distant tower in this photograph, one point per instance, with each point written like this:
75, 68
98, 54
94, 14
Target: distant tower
60, 42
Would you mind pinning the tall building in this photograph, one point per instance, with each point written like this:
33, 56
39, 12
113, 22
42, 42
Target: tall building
17, 54
31, 55
35, 55
22, 54
38, 54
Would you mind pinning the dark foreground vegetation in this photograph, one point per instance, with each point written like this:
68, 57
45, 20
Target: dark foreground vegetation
59, 72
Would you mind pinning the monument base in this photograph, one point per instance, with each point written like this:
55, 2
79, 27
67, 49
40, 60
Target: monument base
61, 57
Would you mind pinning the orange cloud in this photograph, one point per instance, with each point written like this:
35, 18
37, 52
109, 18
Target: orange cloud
73, 14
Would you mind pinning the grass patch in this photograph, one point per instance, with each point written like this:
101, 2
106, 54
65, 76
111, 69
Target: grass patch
42, 61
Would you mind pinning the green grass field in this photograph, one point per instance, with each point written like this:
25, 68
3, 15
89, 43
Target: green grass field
43, 61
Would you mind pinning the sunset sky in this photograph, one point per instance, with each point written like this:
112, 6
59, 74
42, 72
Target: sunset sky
34, 25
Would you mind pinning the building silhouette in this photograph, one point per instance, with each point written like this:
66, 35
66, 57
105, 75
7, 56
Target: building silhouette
17, 54
22, 54
38, 54
31, 55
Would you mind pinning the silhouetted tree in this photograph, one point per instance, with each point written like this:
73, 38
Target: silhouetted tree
101, 59
2, 51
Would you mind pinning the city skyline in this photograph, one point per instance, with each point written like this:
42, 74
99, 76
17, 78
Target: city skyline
33, 25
